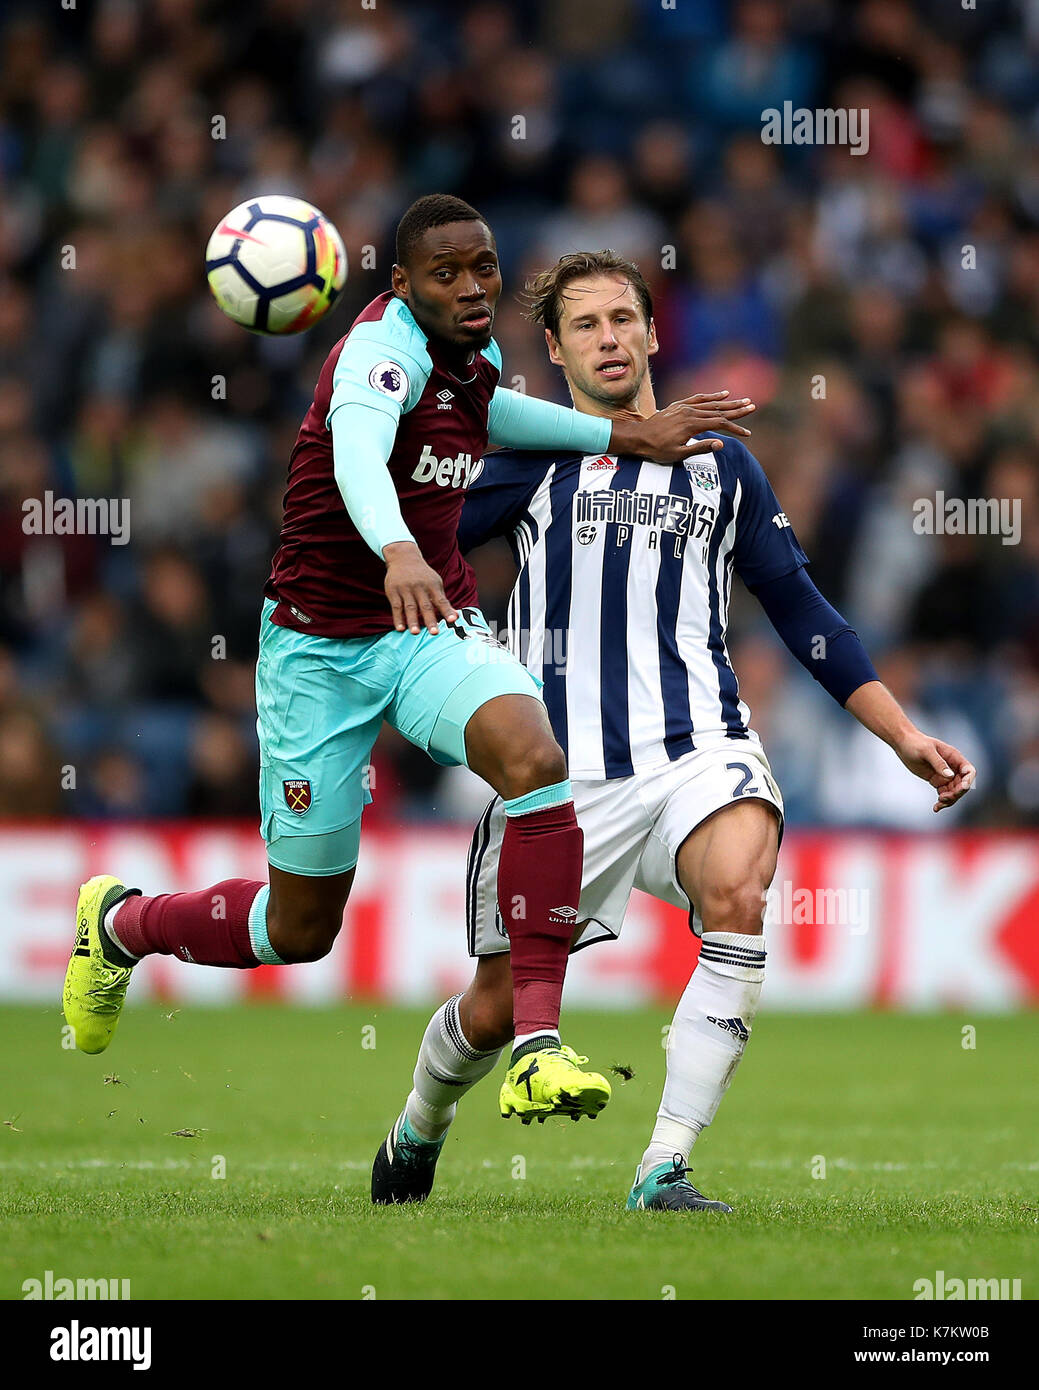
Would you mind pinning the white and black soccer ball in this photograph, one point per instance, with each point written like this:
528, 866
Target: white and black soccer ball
275, 264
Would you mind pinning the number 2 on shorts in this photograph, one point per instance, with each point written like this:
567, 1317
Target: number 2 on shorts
743, 787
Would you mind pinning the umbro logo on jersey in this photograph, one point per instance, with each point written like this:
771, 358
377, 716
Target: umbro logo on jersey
562, 914
445, 397
735, 1026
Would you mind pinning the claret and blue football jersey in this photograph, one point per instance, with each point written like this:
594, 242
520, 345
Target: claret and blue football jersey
325, 579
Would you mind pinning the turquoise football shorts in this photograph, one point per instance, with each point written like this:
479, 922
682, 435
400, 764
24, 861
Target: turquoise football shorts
320, 703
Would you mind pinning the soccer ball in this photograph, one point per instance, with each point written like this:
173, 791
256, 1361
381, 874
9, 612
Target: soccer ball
275, 264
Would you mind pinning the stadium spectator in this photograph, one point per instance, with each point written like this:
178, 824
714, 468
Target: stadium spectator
882, 310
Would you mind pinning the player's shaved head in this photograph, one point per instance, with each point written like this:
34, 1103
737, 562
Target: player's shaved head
447, 273
433, 210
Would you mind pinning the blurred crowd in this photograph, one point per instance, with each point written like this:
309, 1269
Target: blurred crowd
882, 309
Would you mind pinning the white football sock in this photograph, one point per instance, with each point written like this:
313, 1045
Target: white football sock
710, 1030
522, 1038
448, 1066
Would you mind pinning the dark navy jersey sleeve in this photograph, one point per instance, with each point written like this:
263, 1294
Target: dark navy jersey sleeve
765, 545
500, 493
825, 645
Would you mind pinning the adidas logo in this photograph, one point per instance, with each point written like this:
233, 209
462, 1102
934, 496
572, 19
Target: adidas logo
82, 947
735, 1026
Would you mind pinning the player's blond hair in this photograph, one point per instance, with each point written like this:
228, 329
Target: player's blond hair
544, 293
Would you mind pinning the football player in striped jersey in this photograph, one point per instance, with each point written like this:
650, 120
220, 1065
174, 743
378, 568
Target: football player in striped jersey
620, 609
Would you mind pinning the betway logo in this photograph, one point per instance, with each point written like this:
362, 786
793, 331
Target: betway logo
449, 472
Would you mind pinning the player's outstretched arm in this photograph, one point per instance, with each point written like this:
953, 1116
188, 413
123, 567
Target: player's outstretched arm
833, 655
516, 421
526, 422
938, 763
667, 436
771, 563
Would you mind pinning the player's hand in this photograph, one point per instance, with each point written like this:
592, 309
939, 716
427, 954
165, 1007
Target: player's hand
667, 436
940, 764
416, 592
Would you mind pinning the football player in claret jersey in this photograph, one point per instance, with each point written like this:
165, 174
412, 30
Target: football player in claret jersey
370, 615
621, 609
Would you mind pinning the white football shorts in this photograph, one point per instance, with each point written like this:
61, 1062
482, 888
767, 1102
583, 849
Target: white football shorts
633, 829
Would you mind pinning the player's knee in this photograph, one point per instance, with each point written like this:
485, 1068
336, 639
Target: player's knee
305, 934
533, 764
733, 907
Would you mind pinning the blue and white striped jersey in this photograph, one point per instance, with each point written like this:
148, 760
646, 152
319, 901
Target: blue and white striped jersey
621, 603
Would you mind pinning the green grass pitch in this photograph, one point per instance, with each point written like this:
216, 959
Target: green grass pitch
930, 1152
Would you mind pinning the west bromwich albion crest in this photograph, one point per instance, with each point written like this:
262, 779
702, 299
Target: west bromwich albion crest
703, 472
297, 795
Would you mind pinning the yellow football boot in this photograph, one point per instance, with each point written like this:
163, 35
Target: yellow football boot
551, 1082
94, 987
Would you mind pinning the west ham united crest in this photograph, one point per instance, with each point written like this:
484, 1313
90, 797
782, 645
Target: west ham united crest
297, 795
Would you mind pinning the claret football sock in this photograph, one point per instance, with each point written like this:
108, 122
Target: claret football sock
224, 925
539, 886
706, 1041
448, 1066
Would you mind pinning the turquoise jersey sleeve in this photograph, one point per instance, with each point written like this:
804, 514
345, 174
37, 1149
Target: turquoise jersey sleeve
381, 373
383, 364
362, 441
525, 422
